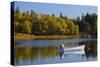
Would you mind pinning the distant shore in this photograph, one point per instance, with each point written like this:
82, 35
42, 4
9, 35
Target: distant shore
22, 36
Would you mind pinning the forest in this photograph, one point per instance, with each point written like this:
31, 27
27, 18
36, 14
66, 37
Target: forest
45, 24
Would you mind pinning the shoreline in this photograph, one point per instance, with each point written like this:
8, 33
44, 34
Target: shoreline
22, 36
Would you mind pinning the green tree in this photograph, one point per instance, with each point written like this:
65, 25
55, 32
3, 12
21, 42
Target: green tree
76, 29
18, 27
61, 16
53, 15
33, 16
26, 16
71, 27
27, 27
17, 15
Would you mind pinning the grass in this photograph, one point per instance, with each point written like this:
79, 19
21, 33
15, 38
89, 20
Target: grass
21, 36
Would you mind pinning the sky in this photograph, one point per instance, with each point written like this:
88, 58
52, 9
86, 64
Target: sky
71, 11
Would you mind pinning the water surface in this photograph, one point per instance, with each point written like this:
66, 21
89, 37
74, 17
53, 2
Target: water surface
46, 52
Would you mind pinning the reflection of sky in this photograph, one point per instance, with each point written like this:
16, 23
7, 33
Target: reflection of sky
67, 10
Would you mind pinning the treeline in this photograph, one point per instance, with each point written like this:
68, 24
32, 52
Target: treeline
88, 24
42, 24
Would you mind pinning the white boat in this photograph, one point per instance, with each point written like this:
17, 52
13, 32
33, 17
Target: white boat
77, 48
74, 52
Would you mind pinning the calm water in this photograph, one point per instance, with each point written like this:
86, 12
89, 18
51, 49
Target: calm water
46, 52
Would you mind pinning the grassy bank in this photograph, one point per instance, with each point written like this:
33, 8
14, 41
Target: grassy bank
20, 36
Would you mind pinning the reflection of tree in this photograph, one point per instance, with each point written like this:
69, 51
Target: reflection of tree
33, 53
91, 49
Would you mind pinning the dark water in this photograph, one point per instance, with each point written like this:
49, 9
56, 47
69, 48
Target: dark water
32, 52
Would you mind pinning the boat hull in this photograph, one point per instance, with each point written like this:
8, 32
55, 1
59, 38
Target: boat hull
75, 48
